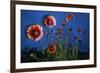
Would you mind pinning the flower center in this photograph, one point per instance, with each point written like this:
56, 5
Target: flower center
49, 21
35, 33
51, 49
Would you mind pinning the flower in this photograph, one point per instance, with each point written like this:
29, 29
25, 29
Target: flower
69, 30
59, 30
52, 48
50, 21
79, 29
69, 17
35, 32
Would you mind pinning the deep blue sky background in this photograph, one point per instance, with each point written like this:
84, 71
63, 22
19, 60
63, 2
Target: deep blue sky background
29, 17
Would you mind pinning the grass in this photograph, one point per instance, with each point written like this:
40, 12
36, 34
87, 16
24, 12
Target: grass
62, 53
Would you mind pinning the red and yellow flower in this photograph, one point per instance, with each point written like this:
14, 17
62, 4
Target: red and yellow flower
35, 32
52, 48
69, 17
50, 21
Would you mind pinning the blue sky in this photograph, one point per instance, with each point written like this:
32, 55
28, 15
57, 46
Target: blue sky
29, 17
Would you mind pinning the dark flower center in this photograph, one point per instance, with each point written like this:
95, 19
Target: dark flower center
49, 21
35, 33
51, 49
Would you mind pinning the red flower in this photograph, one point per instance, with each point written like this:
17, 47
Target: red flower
69, 17
35, 32
50, 21
52, 48
79, 29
